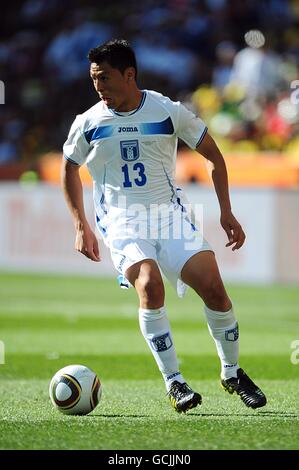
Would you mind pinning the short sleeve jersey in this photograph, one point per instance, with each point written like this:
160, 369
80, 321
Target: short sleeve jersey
133, 155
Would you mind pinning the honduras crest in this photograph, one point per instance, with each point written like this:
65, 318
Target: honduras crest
129, 150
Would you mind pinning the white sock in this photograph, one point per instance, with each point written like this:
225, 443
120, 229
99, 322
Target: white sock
223, 328
155, 328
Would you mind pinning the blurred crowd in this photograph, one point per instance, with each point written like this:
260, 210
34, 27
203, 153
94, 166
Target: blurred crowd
233, 61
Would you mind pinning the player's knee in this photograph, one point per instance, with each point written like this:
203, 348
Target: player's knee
151, 292
215, 297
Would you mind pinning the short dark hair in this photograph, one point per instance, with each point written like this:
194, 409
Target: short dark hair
118, 53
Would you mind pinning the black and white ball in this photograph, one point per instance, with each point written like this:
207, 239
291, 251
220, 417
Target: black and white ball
75, 390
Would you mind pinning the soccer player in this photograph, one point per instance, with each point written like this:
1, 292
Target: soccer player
128, 140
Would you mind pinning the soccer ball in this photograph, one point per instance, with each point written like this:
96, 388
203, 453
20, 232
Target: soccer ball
75, 390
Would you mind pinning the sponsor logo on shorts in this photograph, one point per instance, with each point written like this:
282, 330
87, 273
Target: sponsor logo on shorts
121, 262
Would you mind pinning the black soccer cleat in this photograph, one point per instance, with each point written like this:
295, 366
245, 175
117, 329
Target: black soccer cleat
249, 393
182, 397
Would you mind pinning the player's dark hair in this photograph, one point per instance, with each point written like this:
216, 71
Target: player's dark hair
118, 53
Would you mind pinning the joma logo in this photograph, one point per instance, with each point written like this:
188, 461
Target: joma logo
128, 129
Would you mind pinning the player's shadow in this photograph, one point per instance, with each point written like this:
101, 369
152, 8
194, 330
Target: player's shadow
123, 415
279, 414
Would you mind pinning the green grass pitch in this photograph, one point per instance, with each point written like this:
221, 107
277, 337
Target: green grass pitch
47, 322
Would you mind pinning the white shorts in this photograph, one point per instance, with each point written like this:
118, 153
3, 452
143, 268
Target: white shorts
170, 243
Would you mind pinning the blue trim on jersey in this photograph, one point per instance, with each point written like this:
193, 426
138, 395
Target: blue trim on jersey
100, 227
102, 204
135, 111
70, 160
183, 209
150, 128
98, 133
201, 137
163, 127
170, 185
102, 200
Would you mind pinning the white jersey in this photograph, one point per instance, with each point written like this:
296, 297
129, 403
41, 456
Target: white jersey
133, 154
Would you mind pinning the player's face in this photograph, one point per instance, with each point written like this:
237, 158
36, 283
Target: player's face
111, 85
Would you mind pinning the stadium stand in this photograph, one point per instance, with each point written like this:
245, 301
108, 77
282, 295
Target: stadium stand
194, 51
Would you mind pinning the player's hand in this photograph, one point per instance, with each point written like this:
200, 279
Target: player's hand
233, 229
87, 243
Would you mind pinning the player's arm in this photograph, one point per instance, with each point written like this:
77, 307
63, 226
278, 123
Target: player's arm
86, 241
217, 169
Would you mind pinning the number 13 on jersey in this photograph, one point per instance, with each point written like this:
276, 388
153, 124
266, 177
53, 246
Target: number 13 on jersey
138, 170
